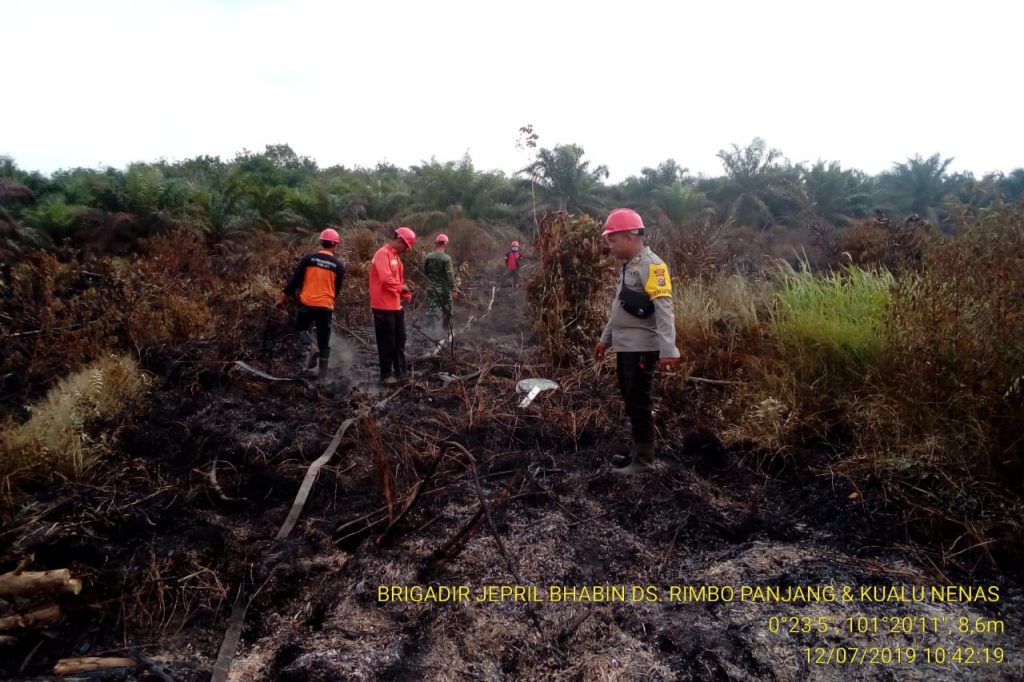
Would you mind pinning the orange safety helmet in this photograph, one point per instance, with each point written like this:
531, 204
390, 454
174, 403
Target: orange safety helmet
330, 235
623, 220
406, 235
441, 239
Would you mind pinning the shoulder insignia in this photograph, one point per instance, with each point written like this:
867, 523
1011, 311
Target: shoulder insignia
659, 283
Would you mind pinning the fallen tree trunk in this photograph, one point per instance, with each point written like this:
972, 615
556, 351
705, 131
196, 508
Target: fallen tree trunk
87, 664
34, 582
47, 614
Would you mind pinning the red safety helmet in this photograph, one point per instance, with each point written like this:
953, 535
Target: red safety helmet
330, 235
442, 239
623, 220
406, 235
515, 244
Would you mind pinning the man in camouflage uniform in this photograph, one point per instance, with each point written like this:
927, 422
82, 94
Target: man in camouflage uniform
641, 329
441, 276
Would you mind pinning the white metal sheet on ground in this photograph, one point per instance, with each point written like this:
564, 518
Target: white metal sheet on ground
532, 388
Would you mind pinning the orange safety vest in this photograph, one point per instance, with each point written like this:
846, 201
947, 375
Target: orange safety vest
318, 279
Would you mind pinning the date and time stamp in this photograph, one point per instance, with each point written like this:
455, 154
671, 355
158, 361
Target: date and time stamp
824, 625
904, 638
972, 640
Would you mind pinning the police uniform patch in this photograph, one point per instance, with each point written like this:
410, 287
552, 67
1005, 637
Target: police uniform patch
659, 283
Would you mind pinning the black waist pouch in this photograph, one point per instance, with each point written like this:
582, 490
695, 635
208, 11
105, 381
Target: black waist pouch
636, 303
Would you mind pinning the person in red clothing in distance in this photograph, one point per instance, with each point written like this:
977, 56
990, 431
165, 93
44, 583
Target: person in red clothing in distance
388, 291
512, 262
317, 279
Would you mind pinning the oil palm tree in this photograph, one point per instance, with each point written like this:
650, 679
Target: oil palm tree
440, 186
566, 180
918, 186
836, 195
757, 189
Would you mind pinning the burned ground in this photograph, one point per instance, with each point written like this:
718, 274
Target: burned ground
183, 521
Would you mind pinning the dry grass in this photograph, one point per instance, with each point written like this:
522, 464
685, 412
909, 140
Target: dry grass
568, 294
63, 316
908, 354
766, 411
903, 360
721, 322
469, 243
916, 369
697, 251
69, 430
898, 247
358, 244
384, 478
936, 424
731, 302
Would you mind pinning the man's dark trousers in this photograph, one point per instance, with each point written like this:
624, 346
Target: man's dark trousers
636, 383
305, 316
389, 328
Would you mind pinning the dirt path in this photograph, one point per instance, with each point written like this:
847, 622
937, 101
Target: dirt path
191, 512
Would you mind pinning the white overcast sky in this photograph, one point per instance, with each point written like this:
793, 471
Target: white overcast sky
865, 82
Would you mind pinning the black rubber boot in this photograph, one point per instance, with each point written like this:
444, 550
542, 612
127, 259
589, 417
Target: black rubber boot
312, 351
620, 460
643, 461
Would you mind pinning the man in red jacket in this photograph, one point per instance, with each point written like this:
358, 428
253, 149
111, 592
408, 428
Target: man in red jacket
388, 291
512, 259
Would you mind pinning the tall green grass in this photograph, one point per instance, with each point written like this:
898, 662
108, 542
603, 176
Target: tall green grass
832, 324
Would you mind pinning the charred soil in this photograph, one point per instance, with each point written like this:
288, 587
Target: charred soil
445, 480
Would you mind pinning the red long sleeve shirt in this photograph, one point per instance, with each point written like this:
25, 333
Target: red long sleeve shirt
387, 277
